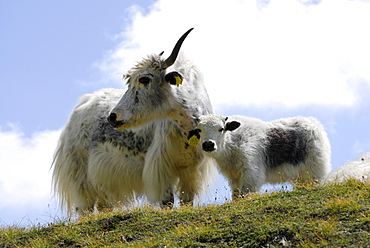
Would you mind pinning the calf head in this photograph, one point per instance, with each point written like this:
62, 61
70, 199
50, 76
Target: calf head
149, 95
210, 131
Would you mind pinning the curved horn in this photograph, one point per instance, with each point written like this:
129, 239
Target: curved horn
172, 58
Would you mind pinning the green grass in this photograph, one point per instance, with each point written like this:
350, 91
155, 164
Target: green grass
334, 215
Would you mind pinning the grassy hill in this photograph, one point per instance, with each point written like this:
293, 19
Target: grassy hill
334, 215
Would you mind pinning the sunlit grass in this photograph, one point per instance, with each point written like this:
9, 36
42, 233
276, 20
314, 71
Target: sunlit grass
311, 215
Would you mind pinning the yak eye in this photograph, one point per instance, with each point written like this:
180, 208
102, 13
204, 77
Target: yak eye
221, 130
144, 80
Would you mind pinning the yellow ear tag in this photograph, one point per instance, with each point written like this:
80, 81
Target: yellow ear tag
193, 141
178, 81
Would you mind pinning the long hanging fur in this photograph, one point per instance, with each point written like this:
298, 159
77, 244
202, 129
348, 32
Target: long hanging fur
250, 152
96, 165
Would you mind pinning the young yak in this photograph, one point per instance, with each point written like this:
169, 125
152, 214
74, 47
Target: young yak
251, 152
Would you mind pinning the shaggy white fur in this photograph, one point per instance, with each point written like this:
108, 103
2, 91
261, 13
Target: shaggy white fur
251, 152
358, 168
98, 165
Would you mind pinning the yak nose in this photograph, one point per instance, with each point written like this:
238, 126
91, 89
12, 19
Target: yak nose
208, 146
112, 119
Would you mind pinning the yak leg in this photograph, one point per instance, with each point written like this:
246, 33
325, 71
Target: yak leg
169, 199
189, 185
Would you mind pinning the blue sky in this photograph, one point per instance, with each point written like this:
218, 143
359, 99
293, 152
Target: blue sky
47, 53
266, 59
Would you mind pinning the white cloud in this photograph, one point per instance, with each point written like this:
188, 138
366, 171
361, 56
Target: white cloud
290, 53
25, 179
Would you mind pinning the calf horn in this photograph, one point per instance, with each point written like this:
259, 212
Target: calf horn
172, 58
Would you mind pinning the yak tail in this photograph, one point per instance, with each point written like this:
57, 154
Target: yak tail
69, 178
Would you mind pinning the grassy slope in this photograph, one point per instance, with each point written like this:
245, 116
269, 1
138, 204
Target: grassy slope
336, 215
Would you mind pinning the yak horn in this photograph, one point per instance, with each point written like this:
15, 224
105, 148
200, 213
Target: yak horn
172, 58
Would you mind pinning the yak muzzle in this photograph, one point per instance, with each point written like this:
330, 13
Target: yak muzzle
208, 146
112, 119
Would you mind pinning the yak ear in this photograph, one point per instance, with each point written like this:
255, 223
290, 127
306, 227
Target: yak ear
174, 78
231, 126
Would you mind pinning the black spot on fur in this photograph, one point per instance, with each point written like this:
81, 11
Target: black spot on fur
137, 97
184, 104
285, 146
134, 142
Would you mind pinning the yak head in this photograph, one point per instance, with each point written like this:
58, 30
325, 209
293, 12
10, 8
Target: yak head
149, 95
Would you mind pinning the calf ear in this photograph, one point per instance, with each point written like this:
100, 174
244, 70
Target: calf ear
231, 126
194, 137
195, 133
174, 78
